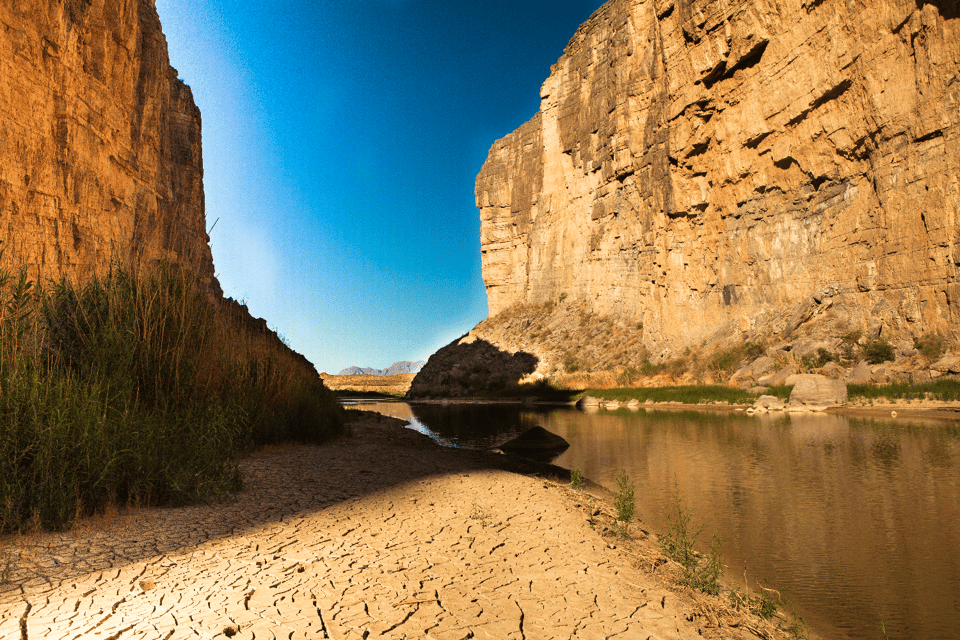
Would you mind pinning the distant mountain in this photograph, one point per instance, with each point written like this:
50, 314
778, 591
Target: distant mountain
395, 369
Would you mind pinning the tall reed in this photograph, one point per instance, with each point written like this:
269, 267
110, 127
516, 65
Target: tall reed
135, 387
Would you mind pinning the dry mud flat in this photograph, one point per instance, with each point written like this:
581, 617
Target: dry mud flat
382, 534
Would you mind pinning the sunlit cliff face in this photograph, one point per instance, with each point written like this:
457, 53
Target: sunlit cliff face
101, 156
719, 173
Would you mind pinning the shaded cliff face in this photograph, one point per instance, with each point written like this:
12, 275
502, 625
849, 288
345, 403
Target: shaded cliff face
722, 171
100, 149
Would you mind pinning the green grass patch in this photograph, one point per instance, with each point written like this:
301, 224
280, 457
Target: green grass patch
691, 394
135, 388
941, 390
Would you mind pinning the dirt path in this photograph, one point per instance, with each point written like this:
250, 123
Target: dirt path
382, 534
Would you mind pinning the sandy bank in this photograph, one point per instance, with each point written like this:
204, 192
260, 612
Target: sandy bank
382, 534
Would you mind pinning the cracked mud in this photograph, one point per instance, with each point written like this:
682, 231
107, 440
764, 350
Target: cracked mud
382, 534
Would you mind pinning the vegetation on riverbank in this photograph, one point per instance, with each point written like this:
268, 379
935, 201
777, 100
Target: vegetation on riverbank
946, 390
683, 394
359, 394
134, 388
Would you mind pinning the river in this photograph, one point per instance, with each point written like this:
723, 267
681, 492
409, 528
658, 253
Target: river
856, 522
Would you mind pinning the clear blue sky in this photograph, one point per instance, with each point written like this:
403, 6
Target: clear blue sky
341, 141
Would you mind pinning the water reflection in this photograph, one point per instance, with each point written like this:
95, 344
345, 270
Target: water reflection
857, 521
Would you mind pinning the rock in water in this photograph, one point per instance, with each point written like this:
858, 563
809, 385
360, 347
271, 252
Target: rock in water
752, 168
536, 442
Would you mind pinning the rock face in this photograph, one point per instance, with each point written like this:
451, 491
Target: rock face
100, 154
470, 367
728, 171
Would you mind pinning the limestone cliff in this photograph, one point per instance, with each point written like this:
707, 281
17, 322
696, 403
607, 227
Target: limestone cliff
100, 150
720, 171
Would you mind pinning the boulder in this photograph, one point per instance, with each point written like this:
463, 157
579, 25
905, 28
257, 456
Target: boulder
947, 364
777, 379
833, 370
536, 442
815, 392
861, 374
769, 403
588, 401
763, 365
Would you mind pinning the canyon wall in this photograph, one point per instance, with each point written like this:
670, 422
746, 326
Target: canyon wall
100, 148
719, 171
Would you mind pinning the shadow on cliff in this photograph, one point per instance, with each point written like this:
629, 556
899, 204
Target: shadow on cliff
471, 367
949, 9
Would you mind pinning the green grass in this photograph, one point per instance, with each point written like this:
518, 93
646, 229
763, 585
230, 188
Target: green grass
942, 390
134, 388
686, 394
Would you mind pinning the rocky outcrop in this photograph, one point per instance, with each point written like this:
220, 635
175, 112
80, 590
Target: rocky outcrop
470, 367
746, 170
100, 149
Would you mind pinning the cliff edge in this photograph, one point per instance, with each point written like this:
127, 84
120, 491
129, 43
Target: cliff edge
716, 172
100, 142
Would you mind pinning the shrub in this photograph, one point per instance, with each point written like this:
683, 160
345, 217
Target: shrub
627, 377
931, 346
623, 504
570, 363
878, 350
731, 358
576, 479
679, 544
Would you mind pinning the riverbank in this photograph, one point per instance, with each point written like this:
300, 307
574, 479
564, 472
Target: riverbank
381, 533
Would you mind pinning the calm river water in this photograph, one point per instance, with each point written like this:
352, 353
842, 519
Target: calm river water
855, 521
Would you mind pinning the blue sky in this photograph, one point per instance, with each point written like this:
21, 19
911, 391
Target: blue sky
341, 141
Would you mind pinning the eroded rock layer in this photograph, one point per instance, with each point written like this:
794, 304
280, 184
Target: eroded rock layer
100, 150
734, 170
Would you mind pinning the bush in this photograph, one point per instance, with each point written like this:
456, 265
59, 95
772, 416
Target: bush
623, 503
576, 479
570, 363
730, 359
134, 387
878, 350
931, 346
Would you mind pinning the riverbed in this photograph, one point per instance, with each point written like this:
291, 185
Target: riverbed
855, 522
